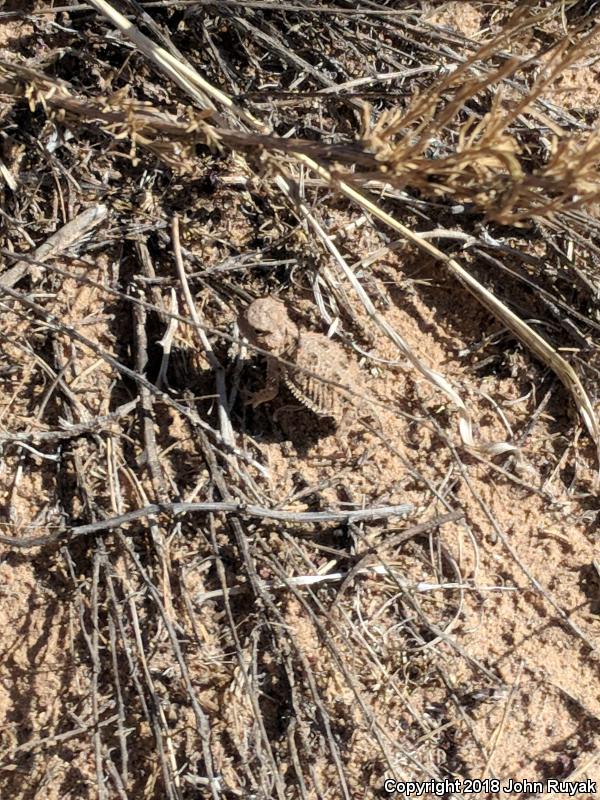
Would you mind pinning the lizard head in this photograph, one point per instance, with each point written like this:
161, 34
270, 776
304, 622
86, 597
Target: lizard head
266, 324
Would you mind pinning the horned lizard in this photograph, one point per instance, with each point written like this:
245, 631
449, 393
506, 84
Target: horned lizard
266, 324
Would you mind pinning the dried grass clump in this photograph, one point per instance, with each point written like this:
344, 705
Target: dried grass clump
443, 145
140, 125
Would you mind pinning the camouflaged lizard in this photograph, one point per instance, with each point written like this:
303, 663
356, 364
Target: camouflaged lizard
266, 324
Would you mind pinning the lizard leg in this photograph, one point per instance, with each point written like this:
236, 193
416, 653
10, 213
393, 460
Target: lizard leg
271, 388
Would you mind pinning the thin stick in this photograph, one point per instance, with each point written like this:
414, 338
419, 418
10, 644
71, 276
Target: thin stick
224, 421
97, 425
236, 509
57, 243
